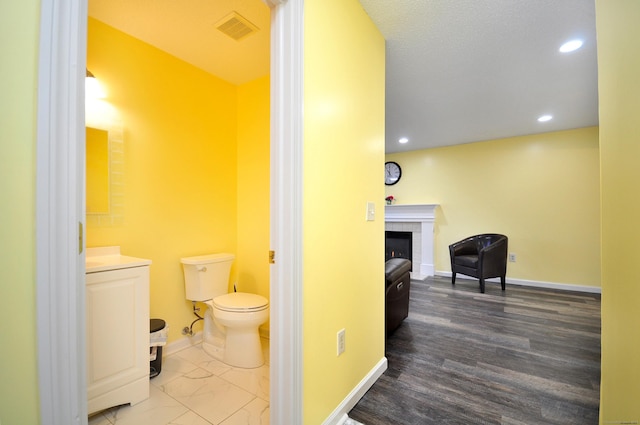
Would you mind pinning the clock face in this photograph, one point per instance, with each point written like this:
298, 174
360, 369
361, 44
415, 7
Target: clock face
392, 173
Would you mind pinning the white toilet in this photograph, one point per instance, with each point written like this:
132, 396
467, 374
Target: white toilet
232, 319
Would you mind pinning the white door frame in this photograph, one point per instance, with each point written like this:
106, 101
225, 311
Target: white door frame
286, 210
60, 212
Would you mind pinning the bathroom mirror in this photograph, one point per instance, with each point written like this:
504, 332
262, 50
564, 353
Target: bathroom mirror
98, 186
105, 165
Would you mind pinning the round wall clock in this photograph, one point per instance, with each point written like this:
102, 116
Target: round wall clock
392, 173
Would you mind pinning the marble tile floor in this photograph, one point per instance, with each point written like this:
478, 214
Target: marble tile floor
195, 389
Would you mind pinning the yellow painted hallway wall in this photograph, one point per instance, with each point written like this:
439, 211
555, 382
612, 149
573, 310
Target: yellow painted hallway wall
343, 254
619, 97
180, 163
19, 400
542, 191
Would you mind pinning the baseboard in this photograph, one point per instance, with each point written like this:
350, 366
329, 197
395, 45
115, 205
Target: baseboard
533, 283
188, 341
182, 343
340, 414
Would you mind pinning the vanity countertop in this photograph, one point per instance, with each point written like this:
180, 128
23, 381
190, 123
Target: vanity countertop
107, 258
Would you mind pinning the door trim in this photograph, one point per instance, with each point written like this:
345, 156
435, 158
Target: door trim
60, 213
60, 209
287, 40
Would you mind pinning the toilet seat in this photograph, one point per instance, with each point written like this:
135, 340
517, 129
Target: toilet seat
240, 302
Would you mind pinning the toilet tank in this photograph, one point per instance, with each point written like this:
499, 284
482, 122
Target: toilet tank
206, 276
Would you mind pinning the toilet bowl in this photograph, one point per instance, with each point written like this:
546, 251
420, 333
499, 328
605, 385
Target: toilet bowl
241, 314
232, 320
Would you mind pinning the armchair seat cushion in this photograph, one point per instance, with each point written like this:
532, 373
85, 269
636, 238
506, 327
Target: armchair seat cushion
470, 261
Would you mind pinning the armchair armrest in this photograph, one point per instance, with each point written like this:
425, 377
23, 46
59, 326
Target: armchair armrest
495, 249
493, 258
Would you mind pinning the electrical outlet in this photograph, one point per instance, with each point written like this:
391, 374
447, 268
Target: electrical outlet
512, 257
341, 342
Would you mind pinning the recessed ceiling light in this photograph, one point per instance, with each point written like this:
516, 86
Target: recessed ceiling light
570, 46
403, 140
545, 118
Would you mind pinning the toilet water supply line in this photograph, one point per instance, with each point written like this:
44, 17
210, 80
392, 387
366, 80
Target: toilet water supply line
188, 330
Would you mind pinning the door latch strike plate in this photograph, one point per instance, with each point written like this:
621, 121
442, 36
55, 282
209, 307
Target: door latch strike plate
80, 237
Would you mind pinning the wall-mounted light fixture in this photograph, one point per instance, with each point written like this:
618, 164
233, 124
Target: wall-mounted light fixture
92, 87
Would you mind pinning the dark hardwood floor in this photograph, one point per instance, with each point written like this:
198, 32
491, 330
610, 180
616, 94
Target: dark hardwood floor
524, 356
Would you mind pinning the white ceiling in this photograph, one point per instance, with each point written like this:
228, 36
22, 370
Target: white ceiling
458, 71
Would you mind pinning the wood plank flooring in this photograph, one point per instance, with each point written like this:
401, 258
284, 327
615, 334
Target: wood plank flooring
523, 356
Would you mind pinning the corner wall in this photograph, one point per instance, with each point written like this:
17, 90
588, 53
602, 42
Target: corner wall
254, 205
542, 191
19, 32
619, 93
343, 256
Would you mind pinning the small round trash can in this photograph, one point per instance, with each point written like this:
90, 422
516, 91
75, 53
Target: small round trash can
158, 338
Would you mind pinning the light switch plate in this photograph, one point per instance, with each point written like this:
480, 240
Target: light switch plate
371, 211
341, 341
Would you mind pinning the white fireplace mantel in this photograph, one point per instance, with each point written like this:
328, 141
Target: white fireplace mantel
410, 213
425, 214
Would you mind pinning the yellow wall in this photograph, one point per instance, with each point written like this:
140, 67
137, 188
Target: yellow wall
181, 165
618, 70
343, 155
18, 75
253, 187
619, 93
542, 191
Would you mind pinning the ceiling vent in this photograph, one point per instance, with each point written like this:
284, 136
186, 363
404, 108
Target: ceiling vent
235, 26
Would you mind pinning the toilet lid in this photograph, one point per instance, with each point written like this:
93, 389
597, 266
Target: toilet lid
240, 301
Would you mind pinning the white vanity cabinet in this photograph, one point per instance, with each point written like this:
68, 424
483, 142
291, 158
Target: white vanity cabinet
117, 315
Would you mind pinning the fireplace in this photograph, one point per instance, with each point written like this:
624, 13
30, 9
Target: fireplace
418, 220
398, 245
